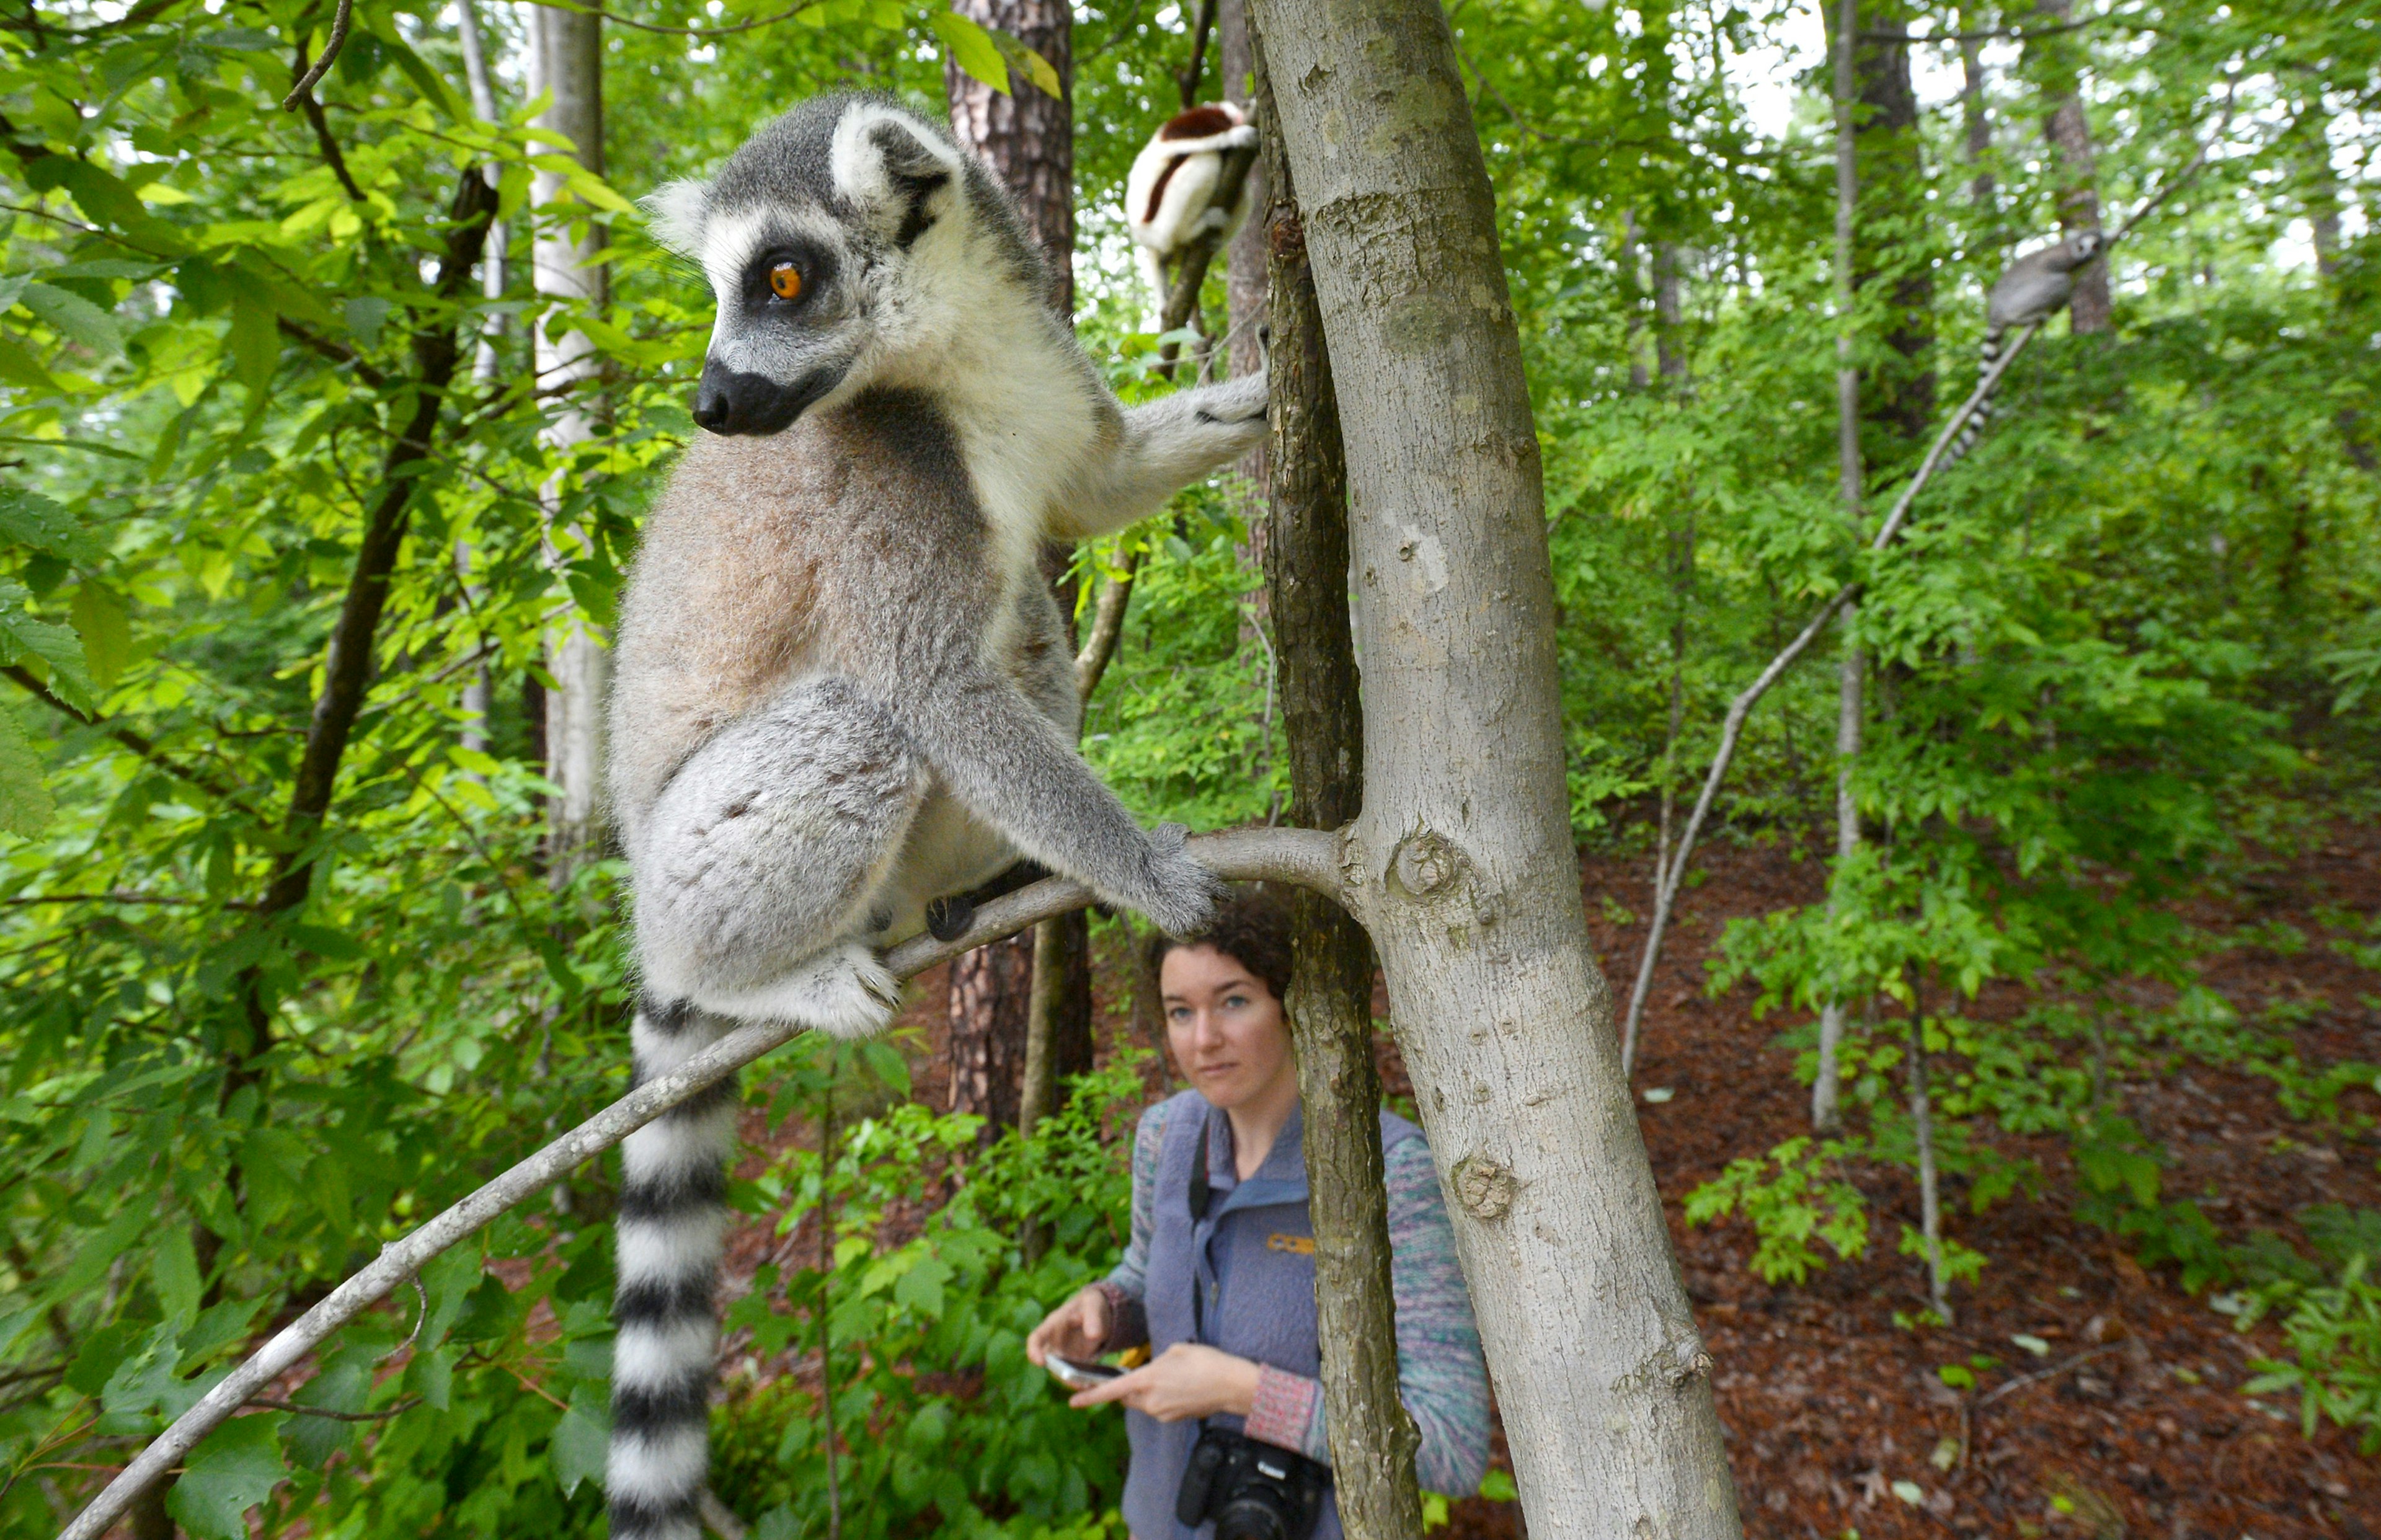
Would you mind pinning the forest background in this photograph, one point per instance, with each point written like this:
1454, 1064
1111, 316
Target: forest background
309, 500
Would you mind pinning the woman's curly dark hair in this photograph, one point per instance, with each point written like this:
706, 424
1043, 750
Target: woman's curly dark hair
1251, 926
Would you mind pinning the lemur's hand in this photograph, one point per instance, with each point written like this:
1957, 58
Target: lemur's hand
1179, 895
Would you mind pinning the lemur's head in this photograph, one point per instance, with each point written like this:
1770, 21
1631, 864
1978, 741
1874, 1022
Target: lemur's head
2081, 248
843, 237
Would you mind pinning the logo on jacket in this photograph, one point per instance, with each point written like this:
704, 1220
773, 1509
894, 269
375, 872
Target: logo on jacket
1296, 1245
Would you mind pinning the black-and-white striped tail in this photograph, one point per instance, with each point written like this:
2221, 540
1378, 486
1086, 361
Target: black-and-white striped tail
673, 1214
1973, 429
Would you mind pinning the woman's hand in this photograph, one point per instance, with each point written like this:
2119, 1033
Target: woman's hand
1188, 1379
1076, 1329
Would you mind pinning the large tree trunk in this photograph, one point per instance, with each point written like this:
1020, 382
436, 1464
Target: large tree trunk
1462, 863
2057, 64
567, 58
1897, 395
1028, 139
1373, 1436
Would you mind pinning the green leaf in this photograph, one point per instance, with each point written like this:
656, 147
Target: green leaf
30, 519
107, 200
973, 49
26, 806
74, 318
176, 1274
255, 343
433, 88
22, 637
106, 631
19, 368
233, 1470
1028, 63
580, 1439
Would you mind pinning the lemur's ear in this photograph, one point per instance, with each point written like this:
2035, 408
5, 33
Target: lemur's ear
895, 169
675, 215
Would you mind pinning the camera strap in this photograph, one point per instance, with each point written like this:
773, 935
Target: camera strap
1201, 1194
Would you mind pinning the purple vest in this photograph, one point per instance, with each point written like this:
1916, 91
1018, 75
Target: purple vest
1252, 1257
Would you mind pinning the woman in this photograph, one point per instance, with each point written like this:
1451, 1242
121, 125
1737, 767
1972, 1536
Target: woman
1222, 1291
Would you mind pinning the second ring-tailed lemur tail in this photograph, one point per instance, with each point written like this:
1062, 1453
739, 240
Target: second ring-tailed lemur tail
2037, 286
842, 687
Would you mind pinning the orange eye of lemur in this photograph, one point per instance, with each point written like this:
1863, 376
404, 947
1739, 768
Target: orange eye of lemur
786, 281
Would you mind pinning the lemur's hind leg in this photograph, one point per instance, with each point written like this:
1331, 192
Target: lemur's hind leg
763, 859
673, 1212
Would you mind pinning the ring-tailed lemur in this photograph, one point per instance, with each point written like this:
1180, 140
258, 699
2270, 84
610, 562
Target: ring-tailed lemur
1169, 194
842, 687
2037, 286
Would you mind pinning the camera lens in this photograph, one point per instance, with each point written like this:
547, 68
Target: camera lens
1251, 1515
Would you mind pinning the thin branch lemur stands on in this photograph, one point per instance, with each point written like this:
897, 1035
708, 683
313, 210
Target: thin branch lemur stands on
843, 690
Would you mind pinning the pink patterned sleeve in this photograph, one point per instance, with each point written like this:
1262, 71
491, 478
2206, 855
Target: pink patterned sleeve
1289, 1413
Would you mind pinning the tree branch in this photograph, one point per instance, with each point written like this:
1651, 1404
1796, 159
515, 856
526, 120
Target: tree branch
139, 743
1108, 626
1190, 267
348, 668
338, 352
1303, 856
303, 91
1668, 882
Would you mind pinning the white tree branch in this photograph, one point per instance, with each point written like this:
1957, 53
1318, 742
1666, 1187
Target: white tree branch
1304, 858
1665, 892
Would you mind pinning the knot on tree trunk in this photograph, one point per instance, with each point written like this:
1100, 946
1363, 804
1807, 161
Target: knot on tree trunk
1485, 1186
1426, 864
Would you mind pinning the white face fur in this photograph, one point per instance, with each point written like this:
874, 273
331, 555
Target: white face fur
818, 238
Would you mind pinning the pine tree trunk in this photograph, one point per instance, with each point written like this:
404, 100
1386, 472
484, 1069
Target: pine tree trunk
1461, 863
1373, 1438
568, 59
1028, 139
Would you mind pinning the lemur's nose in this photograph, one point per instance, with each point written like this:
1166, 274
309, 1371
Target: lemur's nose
712, 410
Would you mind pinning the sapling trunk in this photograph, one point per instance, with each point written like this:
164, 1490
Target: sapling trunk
1930, 1195
1826, 1090
1373, 1438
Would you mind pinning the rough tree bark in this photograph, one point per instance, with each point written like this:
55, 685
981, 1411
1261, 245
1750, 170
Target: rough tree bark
1461, 863
2055, 61
1330, 1005
1244, 294
1897, 395
566, 60
1028, 139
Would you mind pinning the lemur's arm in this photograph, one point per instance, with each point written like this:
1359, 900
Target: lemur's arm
1161, 448
1007, 763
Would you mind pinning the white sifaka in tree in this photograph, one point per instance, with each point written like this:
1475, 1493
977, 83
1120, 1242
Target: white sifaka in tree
2035, 287
842, 688
1169, 195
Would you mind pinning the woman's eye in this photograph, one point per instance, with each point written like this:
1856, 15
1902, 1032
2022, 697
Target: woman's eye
1236, 1002
786, 281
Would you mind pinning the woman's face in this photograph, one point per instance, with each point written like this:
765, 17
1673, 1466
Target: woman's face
1225, 1027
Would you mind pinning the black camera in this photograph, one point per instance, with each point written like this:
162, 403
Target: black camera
1253, 1491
